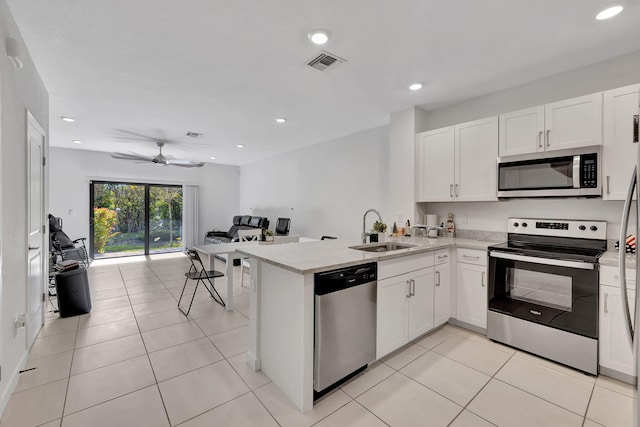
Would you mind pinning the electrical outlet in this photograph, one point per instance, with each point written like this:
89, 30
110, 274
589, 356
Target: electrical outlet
19, 323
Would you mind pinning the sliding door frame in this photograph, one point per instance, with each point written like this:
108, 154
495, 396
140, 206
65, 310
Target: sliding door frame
147, 216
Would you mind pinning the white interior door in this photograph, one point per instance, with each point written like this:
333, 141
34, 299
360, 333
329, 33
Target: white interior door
35, 228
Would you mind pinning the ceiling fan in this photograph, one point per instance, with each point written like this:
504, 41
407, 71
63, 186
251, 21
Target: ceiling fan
158, 159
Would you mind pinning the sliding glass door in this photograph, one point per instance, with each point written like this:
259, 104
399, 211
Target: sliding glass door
135, 219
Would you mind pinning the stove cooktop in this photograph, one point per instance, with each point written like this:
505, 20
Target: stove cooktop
551, 252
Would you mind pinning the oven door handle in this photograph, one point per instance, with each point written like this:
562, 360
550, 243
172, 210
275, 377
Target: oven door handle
624, 224
544, 261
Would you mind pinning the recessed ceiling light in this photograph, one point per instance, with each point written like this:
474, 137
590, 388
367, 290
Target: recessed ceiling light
76, 141
319, 36
212, 157
240, 145
609, 12
68, 119
280, 119
415, 86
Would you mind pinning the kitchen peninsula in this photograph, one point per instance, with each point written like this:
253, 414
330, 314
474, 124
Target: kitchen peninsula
281, 337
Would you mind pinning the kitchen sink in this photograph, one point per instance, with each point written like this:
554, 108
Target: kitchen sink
382, 247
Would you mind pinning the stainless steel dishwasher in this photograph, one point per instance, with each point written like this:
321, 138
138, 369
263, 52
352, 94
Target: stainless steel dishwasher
345, 325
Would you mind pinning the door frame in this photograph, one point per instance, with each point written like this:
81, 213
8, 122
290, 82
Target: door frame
32, 122
147, 196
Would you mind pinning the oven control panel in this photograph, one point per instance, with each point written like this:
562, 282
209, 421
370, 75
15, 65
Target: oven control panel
583, 229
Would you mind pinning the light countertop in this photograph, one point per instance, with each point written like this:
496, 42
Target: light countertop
610, 258
317, 256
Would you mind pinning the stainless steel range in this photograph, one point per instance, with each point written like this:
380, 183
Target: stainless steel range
543, 289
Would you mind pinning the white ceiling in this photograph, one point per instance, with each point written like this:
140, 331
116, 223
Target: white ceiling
228, 68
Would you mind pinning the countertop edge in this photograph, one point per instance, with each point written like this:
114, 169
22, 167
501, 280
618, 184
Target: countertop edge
375, 257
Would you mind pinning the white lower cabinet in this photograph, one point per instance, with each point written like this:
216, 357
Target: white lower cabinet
405, 309
615, 349
471, 287
405, 301
442, 289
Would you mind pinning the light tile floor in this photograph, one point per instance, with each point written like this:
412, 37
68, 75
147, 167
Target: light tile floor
135, 360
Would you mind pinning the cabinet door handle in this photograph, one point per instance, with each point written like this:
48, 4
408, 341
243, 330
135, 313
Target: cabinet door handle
456, 190
548, 142
608, 179
451, 190
443, 256
470, 257
437, 278
636, 127
482, 279
413, 288
540, 139
408, 282
606, 297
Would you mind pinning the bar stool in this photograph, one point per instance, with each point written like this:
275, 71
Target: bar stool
198, 273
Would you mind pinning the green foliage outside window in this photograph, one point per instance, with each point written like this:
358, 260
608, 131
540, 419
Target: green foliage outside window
104, 221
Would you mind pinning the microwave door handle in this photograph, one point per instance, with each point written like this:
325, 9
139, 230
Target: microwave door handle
576, 171
624, 225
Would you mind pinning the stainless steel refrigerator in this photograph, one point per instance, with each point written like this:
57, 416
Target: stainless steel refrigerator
631, 325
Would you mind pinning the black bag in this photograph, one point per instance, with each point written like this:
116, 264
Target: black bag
72, 288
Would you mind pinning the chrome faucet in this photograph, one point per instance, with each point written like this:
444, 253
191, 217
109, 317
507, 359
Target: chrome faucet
364, 220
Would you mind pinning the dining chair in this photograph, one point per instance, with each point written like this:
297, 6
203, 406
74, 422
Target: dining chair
247, 236
199, 273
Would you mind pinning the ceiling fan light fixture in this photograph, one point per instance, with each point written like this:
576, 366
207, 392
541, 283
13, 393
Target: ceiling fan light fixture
76, 141
68, 119
319, 36
609, 12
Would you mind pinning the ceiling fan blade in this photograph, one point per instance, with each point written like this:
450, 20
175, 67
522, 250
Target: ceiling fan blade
133, 156
185, 163
124, 132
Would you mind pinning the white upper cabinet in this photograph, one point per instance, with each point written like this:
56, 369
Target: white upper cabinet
618, 154
476, 150
573, 122
521, 131
570, 123
458, 163
434, 165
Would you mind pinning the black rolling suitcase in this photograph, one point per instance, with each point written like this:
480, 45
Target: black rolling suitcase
73, 292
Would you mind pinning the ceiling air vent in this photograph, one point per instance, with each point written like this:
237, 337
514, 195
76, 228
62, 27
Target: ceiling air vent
194, 134
325, 60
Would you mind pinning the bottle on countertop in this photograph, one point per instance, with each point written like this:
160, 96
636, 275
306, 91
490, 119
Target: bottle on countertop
451, 228
407, 229
394, 230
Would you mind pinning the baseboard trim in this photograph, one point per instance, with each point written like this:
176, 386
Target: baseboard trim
469, 326
620, 376
12, 383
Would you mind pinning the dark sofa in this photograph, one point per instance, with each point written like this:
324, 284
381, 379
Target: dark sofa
240, 222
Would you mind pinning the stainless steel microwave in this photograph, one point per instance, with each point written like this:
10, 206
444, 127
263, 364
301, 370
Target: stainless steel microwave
561, 173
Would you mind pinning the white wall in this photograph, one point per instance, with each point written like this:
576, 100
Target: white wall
617, 72
20, 90
325, 188
71, 171
492, 216
402, 131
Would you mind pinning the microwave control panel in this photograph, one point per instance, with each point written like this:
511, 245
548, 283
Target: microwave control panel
589, 170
